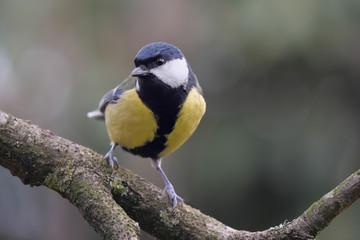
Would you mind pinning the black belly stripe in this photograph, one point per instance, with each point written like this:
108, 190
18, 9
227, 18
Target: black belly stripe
150, 149
165, 102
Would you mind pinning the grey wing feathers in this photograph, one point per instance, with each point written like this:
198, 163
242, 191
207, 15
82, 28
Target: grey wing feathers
99, 113
198, 86
111, 97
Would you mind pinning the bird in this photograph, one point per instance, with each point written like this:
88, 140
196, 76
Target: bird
154, 110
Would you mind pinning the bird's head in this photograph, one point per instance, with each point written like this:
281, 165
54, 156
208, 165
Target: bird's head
162, 61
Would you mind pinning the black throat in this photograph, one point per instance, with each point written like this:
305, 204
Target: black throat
164, 101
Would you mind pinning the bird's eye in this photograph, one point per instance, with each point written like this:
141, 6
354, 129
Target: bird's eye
160, 61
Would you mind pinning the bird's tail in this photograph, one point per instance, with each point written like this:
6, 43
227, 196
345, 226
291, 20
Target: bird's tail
96, 114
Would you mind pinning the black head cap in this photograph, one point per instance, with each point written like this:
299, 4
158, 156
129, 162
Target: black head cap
156, 50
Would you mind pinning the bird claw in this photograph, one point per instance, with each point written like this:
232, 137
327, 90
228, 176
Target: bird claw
111, 159
174, 198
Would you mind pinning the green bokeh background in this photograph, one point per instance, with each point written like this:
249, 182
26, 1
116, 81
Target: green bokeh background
281, 80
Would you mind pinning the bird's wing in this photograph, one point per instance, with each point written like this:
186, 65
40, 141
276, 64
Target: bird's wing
111, 97
197, 86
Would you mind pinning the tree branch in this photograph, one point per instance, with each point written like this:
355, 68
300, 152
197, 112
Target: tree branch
115, 204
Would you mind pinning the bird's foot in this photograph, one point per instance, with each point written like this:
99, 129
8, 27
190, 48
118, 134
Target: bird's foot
112, 159
174, 198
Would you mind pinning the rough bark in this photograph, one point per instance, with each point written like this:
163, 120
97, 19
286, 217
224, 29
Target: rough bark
117, 204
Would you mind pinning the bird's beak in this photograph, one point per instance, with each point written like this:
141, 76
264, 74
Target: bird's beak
139, 71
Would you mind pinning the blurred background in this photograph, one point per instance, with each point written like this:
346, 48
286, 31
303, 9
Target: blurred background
281, 80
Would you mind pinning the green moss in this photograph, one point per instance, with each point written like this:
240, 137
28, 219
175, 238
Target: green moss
53, 182
169, 222
69, 172
74, 188
117, 186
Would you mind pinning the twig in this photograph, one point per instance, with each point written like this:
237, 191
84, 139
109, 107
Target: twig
116, 204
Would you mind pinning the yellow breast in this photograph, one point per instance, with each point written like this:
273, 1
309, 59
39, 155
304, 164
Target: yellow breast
188, 119
129, 122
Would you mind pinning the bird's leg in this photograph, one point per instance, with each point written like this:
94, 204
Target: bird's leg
169, 189
111, 157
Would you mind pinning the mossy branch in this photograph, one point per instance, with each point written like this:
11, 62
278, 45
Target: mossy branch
117, 204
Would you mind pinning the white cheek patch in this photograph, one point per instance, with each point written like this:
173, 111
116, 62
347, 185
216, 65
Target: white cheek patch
174, 72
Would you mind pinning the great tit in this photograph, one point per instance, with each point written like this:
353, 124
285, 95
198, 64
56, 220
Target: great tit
155, 110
